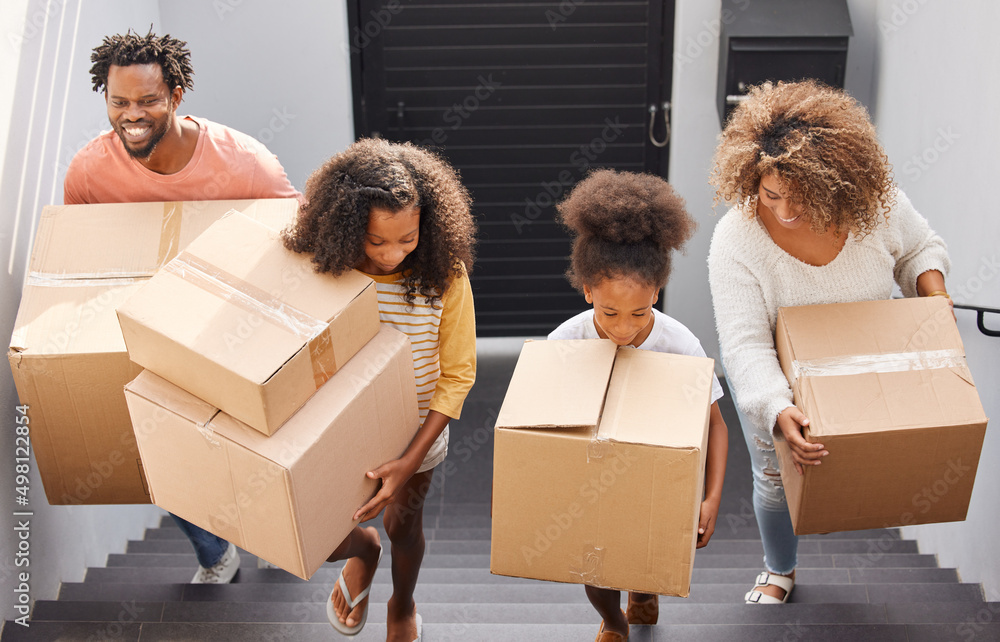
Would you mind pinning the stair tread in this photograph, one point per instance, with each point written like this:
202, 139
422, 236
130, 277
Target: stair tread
471, 632
433, 576
542, 592
671, 611
719, 560
718, 545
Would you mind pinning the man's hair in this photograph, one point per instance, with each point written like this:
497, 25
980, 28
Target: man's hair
124, 50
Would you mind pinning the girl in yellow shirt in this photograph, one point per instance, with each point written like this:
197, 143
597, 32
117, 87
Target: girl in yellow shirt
398, 214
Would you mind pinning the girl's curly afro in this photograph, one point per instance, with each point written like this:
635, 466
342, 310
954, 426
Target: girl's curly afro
822, 146
393, 176
624, 225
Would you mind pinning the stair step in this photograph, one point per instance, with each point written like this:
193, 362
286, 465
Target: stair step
459, 528
539, 592
718, 545
438, 556
970, 613
432, 576
971, 631
671, 612
474, 632
229, 632
120, 632
86, 611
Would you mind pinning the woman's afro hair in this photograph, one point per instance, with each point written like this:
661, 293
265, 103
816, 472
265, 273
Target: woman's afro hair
393, 176
822, 146
124, 50
623, 225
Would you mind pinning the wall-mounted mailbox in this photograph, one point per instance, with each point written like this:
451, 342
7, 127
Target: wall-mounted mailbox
780, 40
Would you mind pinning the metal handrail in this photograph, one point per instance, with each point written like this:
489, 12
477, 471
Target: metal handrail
981, 317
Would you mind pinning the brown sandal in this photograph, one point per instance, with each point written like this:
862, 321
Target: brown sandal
643, 612
609, 636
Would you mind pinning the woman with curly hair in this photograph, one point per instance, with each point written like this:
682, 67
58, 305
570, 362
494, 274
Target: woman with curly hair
816, 218
625, 227
398, 214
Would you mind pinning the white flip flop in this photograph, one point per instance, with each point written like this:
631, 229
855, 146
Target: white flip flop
331, 614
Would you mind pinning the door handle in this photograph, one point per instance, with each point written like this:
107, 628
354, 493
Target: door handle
666, 123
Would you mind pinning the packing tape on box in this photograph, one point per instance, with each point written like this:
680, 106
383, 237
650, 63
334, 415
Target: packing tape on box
48, 280
599, 448
254, 300
209, 433
169, 246
170, 232
590, 569
878, 363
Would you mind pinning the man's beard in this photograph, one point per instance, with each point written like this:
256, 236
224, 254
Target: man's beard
144, 152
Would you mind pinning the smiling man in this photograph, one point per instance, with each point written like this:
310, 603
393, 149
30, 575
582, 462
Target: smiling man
151, 153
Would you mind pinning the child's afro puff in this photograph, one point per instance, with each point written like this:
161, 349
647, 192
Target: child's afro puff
623, 224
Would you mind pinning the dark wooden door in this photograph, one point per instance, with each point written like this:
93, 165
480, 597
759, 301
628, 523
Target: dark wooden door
524, 99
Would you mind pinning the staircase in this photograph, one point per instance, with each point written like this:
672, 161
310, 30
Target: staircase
867, 585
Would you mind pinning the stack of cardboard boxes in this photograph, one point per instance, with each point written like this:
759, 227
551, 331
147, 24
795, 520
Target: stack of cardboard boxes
268, 392
66, 352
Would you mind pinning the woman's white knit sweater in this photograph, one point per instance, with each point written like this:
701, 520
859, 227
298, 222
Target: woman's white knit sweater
751, 277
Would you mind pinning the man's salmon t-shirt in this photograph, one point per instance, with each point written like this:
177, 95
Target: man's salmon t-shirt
226, 165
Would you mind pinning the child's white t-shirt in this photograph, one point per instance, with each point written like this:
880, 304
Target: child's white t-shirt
667, 335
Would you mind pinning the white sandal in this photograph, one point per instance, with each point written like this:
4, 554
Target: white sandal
352, 602
769, 579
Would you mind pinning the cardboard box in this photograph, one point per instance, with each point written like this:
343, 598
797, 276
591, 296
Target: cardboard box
247, 325
66, 353
288, 498
599, 464
888, 393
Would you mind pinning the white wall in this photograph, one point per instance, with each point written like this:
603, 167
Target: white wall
51, 110
249, 66
695, 134
937, 117
279, 72
925, 70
